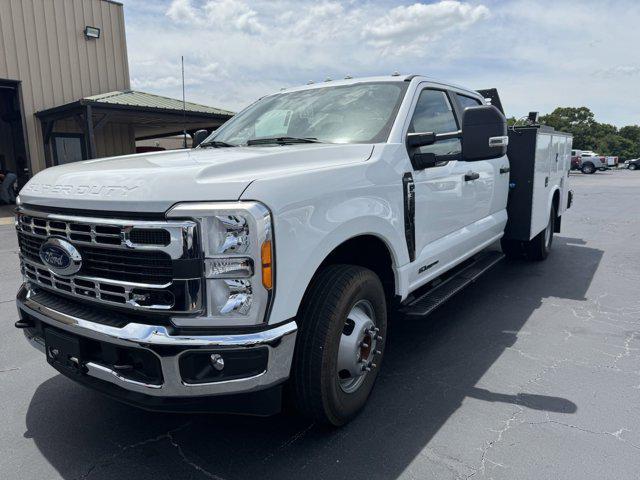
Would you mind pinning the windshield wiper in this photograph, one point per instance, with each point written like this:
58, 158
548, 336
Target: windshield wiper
216, 144
282, 140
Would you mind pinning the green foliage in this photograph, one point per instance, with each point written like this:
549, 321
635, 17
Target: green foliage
588, 134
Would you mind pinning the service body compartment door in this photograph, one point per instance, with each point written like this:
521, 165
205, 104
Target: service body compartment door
541, 184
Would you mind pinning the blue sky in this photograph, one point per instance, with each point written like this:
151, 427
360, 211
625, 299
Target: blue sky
539, 54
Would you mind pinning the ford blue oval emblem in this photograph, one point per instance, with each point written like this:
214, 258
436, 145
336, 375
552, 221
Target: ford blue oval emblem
60, 257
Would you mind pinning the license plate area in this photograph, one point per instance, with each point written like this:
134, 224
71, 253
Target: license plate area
63, 351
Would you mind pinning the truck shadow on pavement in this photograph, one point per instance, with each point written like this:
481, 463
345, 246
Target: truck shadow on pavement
431, 368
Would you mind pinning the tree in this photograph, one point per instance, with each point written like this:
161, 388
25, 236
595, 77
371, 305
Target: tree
588, 134
579, 122
617, 146
631, 132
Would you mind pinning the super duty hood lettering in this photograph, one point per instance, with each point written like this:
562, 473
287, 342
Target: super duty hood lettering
96, 190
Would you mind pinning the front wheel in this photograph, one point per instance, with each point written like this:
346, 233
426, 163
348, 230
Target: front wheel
632, 166
340, 344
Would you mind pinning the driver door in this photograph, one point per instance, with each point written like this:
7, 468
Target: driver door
443, 206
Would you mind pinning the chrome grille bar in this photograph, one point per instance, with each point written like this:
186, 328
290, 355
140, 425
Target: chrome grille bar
175, 237
117, 293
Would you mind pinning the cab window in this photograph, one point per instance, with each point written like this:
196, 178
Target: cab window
434, 113
467, 101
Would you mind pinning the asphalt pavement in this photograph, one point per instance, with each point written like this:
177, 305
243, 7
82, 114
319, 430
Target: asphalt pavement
531, 373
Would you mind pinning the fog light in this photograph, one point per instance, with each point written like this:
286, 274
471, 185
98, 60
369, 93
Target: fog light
197, 367
217, 361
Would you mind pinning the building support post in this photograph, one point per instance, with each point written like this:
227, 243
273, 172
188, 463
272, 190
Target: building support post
91, 140
47, 129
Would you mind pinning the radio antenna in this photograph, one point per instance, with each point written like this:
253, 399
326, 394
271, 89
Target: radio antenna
184, 109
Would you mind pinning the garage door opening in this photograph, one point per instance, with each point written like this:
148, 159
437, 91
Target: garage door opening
13, 151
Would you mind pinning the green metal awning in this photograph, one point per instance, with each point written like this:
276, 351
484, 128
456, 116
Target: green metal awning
148, 115
132, 98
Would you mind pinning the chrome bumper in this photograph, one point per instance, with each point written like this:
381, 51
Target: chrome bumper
280, 342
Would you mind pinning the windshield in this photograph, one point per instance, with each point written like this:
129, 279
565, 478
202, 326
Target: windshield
357, 113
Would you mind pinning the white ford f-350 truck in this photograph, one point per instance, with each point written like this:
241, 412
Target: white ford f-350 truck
267, 260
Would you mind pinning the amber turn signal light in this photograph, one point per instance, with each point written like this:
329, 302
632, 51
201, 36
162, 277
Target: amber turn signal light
267, 266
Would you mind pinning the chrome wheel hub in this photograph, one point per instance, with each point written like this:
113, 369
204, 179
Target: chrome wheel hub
358, 346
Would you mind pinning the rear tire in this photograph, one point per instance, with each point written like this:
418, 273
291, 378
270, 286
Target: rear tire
339, 294
538, 248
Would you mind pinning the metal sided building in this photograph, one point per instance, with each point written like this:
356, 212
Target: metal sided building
65, 92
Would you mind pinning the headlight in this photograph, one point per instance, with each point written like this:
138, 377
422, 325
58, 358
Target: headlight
237, 243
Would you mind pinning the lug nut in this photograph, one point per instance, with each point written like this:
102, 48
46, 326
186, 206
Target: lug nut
379, 338
378, 352
364, 345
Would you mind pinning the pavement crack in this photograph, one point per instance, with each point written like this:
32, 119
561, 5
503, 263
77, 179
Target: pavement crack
507, 425
627, 349
169, 436
617, 434
186, 459
4, 370
294, 438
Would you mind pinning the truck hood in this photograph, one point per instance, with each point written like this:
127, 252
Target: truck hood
153, 182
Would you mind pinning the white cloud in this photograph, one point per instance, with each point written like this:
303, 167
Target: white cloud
182, 11
223, 14
619, 70
580, 52
409, 27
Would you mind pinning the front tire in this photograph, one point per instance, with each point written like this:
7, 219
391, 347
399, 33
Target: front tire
538, 247
632, 166
340, 344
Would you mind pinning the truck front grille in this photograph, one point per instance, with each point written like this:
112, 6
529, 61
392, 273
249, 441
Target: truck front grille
152, 266
135, 266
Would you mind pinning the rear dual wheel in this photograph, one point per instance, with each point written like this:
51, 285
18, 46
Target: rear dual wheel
537, 248
340, 344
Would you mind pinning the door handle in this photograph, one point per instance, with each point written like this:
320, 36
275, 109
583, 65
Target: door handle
504, 170
471, 176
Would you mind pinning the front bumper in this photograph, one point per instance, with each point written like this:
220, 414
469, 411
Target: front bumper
168, 348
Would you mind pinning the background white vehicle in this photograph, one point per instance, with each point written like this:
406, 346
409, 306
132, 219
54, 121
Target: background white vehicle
591, 162
274, 251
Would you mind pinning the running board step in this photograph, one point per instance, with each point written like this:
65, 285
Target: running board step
439, 294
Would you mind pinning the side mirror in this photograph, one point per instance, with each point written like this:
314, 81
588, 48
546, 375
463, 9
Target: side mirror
419, 160
199, 137
424, 160
484, 133
416, 140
